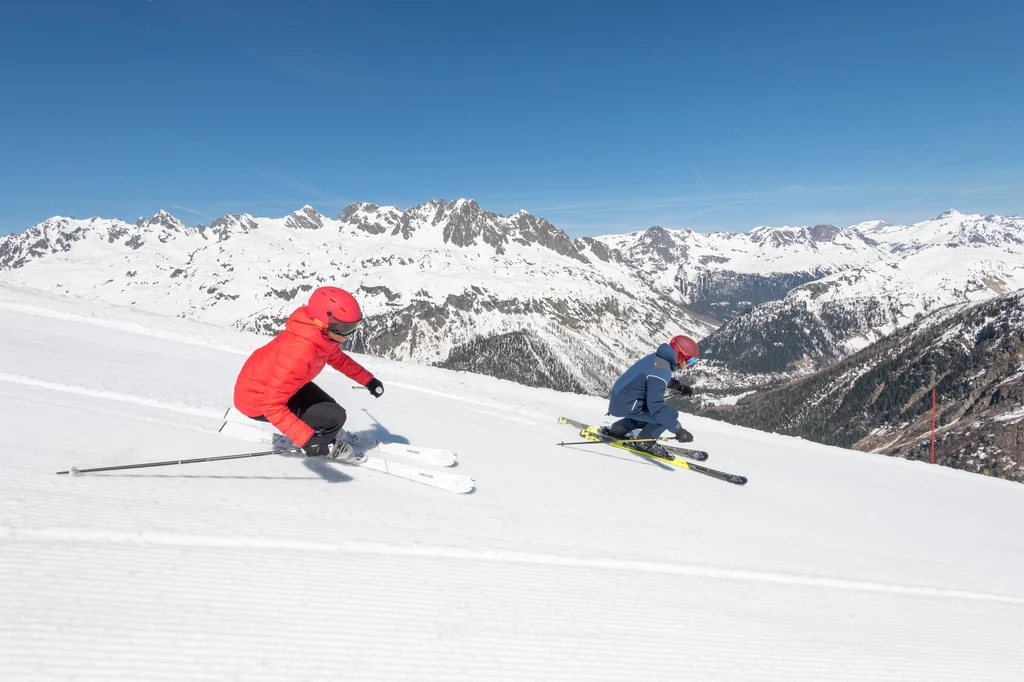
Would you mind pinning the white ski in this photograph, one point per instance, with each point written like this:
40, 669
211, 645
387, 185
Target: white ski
237, 425
435, 456
453, 483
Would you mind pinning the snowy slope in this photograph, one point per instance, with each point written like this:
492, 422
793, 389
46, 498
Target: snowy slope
566, 563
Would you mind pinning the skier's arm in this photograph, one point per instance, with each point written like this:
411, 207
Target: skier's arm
655, 400
281, 386
349, 367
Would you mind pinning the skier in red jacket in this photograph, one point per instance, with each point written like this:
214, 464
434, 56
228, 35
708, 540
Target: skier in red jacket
276, 382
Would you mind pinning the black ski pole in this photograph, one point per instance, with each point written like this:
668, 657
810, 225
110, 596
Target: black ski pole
73, 470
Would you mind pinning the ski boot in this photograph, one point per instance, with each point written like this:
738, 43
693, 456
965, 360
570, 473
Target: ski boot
344, 449
606, 433
650, 448
344, 452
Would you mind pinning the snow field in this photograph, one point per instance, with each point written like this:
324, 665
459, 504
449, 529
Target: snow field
566, 563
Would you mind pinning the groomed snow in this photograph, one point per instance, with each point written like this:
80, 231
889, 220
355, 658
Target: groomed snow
565, 564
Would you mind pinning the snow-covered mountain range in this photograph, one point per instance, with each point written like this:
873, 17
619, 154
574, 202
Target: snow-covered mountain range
450, 284
724, 274
954, 258
442, 283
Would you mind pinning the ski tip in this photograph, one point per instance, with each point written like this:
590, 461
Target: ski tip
738, 480
467, 485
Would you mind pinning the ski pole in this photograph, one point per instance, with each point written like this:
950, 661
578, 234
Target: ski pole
612, 442
73, 470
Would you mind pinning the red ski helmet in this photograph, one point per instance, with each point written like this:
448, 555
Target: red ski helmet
686, 349
335, 310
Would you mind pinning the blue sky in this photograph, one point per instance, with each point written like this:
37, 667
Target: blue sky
602, 117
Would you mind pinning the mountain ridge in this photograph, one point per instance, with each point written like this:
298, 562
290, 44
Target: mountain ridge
450, 277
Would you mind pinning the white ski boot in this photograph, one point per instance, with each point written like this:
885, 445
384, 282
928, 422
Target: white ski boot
344, 448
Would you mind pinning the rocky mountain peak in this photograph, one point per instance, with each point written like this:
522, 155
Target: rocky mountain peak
306, 218
824, 233
224, 226
350, 211
527, 229
465, 222
164, 220
372, 218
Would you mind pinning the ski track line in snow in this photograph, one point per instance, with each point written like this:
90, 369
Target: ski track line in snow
486, 556
209, 413
141, 329
491, 408
111, 395
120, 325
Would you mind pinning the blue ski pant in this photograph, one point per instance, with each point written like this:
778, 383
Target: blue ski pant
645, 421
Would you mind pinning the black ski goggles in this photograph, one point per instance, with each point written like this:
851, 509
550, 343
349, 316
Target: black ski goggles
344, 328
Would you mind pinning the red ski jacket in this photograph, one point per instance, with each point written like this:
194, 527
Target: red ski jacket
273, 373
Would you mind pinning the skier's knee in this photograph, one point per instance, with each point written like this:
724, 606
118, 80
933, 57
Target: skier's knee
326, 418
338, 414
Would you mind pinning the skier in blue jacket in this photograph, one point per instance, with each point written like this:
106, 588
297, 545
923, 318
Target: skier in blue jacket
638, 396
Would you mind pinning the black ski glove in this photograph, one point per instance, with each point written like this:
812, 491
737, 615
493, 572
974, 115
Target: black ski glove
375, 387
318, 446
680, 387
682, 435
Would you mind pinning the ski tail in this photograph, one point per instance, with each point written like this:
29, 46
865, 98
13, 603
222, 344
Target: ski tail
696, 455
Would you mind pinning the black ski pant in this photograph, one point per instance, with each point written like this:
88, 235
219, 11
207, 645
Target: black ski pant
319, 411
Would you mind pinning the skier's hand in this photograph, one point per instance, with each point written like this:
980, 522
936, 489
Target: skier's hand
375, 387
318, 446
680, 387
682, 435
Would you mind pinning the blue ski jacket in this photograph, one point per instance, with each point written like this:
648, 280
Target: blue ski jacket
641, 389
